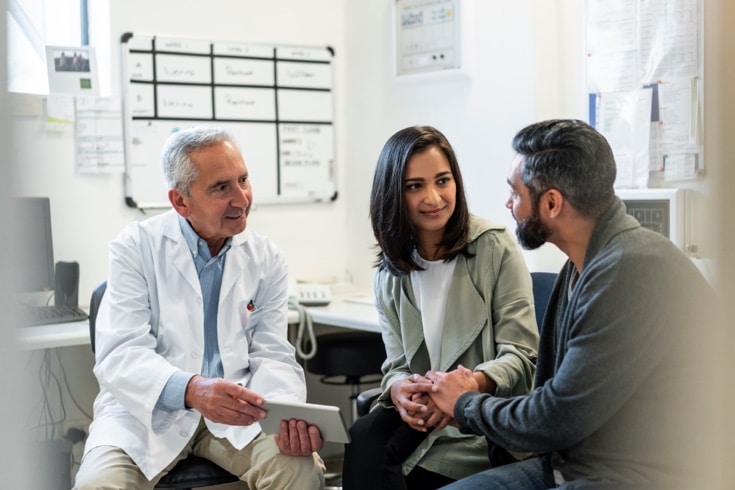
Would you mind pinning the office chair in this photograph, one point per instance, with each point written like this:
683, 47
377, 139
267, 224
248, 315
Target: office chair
348, 358
543, 283
191, 472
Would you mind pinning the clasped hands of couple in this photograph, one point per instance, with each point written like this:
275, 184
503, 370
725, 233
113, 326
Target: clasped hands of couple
428, 401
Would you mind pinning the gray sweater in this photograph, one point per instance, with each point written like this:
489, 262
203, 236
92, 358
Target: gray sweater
614, 366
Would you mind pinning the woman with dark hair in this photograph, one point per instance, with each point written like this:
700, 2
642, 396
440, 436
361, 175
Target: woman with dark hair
451, 290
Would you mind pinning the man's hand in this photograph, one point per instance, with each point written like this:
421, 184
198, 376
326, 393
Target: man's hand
223, 401
449, 386
297, 438
409, 395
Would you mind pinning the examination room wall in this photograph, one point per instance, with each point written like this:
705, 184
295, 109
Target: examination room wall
89, 210
525, 63
513, 76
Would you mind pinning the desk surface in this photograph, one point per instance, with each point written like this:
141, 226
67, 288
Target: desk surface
343, 311
53, 335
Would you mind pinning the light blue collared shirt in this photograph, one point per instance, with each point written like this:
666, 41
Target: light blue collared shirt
209, 270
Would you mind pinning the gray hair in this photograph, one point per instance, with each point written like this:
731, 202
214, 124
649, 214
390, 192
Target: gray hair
179, 171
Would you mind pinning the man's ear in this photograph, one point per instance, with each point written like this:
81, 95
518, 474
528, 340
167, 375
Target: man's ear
179, 202
552, 202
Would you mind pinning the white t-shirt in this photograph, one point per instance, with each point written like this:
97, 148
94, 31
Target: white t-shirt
430, 287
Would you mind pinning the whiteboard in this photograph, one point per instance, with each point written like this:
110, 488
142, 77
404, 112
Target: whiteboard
277, 101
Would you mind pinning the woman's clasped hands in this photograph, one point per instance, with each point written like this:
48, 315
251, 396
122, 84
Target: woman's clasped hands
427, 401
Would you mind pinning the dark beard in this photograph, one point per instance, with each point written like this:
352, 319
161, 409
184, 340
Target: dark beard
531, 232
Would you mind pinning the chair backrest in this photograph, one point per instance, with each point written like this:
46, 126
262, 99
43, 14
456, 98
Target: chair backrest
94, 306
543, 283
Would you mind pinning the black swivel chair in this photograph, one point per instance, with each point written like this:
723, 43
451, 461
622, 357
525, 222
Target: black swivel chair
348, 358
192, 472
543, 283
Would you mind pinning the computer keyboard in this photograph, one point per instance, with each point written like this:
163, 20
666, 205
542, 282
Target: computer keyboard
44, 315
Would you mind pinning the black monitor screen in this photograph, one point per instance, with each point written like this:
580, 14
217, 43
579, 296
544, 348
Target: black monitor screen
35, 266
650, 213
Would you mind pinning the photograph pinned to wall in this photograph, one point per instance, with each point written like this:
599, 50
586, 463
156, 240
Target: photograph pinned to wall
72, 70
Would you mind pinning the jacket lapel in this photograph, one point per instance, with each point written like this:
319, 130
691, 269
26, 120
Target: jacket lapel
464, 316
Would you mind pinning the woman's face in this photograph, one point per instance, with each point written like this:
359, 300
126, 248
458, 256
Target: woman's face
431, 195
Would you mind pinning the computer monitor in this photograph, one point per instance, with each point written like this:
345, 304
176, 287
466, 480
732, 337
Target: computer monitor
34, 270
661, 210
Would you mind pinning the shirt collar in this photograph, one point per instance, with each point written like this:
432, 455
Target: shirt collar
198, 245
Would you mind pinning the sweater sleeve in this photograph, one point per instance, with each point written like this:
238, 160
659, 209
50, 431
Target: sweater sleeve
604, 353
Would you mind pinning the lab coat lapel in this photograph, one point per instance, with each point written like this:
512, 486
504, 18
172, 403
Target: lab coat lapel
236, 263
176, 248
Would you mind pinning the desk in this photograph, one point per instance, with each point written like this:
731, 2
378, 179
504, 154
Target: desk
53, 335
345, 313
341, 312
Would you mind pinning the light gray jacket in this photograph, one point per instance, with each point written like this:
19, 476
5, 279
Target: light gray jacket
489, 325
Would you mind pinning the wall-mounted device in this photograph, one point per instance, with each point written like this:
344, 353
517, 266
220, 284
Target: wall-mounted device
428, 37
661, 210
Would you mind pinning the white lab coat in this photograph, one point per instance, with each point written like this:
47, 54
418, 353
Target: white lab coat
150, 325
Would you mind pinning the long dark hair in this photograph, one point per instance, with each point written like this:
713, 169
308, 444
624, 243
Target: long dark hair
392, 228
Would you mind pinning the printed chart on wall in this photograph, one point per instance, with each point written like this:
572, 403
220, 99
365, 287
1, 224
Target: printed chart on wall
276, 100
644, 82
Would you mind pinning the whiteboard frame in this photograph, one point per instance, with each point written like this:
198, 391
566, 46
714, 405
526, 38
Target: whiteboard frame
313, 178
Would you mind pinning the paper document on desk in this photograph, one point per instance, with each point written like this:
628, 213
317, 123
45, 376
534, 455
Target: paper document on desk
364, 300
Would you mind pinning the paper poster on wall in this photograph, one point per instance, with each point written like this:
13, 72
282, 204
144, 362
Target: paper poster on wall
72, 70
277, 101
636, 44
99, 135
624, 119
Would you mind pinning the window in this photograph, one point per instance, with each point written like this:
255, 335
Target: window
33, 24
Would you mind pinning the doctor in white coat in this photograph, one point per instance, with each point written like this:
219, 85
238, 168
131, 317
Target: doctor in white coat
191, 337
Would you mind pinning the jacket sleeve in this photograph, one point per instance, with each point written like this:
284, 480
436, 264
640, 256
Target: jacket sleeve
395, 366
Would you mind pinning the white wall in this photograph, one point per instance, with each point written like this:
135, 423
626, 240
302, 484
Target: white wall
518, 68
514, 77
526, 64
88, 210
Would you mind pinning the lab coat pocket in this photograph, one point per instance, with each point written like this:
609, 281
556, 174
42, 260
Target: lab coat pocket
248, 317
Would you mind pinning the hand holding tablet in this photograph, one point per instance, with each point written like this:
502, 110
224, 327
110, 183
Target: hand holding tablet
327, 418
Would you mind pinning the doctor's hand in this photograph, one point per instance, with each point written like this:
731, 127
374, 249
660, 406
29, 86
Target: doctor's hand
409, 397
297, 438
223, 401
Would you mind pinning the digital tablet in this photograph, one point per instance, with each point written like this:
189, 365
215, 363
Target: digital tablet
327, 417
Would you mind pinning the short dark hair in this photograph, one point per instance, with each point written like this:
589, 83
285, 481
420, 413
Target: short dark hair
392, 228
571, 156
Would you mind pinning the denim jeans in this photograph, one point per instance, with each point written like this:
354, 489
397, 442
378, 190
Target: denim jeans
530, 474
